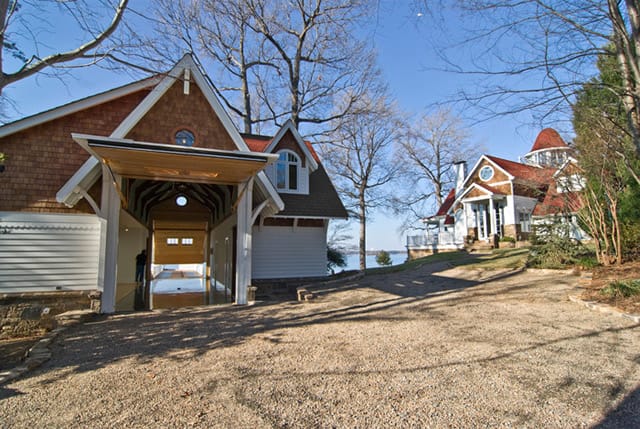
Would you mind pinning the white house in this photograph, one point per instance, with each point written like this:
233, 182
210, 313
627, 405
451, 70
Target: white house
501, 198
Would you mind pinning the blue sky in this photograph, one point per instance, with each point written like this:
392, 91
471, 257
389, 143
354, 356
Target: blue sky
407, 62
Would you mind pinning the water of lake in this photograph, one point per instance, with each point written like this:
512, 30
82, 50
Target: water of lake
353, 261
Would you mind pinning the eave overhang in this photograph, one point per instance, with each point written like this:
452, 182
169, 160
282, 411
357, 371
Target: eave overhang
154, 161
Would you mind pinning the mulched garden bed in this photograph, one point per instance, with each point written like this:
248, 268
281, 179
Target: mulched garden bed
602, 276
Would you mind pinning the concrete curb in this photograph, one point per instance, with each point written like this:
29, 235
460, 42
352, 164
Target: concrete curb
40, 352
604, 308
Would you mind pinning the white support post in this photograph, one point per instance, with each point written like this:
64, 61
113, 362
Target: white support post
244, 245
111, 209
485, 228
492, 219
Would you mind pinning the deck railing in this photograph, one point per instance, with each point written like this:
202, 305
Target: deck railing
431, 239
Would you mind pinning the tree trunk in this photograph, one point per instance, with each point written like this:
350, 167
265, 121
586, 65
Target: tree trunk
363, 232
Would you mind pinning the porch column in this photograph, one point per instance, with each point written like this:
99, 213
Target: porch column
492, 219
110, 207
244, 244
483, 208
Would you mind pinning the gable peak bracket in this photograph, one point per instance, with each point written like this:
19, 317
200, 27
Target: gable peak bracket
187, 80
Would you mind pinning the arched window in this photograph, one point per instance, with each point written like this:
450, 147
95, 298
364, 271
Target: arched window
185, 138
287, 171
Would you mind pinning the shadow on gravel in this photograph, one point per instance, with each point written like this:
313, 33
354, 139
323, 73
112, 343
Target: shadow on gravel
183, 334
625, 415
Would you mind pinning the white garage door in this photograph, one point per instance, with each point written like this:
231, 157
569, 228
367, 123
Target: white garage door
49, 252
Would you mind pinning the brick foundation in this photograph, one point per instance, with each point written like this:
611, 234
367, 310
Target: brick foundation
24, 314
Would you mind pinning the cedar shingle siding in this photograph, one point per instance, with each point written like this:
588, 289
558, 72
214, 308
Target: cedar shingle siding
175, 111
42, 158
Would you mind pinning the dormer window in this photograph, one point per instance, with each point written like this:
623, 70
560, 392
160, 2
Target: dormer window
287, 171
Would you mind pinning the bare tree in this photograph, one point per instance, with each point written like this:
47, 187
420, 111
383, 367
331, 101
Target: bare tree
273, 59
427, 152
23, 34
319, 58
359, 157
535, 54
223, 32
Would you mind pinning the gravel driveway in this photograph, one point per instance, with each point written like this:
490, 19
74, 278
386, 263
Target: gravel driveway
432, 347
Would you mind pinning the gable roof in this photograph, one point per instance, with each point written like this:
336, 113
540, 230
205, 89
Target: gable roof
321, 202
555, 202
260, 143
521, 171
305, 146
447, 203
189, 69
548, 139
76, 106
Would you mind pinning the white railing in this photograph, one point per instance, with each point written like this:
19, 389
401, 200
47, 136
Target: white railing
431, 239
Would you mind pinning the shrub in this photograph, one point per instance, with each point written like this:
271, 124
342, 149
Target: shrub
587, 262
622, 288
383, 258
507, 239
557, 252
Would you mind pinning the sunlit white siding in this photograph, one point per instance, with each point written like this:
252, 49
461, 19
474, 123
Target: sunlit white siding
49, 252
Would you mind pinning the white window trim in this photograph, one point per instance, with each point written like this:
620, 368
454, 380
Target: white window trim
300, 171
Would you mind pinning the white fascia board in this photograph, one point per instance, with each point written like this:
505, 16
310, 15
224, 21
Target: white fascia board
76, 106
288, 126
265, 184
475, 166
548, 149
84, 177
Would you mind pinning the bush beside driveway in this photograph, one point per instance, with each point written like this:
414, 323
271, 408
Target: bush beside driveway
434, 346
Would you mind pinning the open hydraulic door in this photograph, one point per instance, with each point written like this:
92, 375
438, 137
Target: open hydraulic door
153, 161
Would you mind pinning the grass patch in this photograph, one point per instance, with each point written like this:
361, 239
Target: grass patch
500, 259
415, 263
622, 289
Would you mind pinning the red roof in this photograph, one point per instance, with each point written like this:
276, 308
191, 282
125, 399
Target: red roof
447, 203
523, 171
557, 203
258, 143
548, 139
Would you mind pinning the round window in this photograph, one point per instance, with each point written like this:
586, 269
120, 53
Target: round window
181, 201
486, 173
185, 138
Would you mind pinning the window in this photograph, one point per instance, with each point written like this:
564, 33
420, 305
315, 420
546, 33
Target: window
486, 173
172, 241
525, 222
187, 241
185, 138
287, 171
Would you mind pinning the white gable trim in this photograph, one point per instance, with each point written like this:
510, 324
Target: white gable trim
76, 106
90, 171
461, 198
288, 126
477, 164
